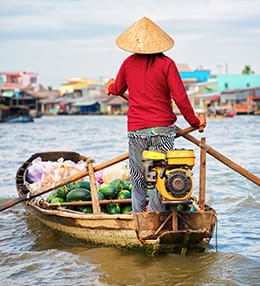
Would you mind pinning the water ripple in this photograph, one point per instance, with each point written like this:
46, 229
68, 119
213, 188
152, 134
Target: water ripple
33, 254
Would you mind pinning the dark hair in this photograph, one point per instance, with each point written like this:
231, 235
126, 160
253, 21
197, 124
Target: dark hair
151, 58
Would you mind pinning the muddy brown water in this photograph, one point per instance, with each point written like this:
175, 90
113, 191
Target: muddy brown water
33, 254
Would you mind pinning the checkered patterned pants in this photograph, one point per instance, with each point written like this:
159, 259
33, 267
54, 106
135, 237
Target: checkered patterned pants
138, 142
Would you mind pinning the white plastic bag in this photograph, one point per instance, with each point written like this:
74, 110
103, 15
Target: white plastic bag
117, 171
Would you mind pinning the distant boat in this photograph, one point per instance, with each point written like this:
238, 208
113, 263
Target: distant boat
14, 114
218, 112
230, 114
35, 113
19, 119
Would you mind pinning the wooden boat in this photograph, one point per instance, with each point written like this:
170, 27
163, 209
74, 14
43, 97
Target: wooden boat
219, 115
150, 232
218, 112
14, 114
35, 114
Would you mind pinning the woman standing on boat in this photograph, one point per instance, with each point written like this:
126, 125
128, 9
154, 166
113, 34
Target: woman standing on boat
152, 81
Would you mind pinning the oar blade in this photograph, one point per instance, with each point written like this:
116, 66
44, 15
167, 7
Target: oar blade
13, 203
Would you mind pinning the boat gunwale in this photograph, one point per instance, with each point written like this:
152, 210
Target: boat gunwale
74, 214
69, 214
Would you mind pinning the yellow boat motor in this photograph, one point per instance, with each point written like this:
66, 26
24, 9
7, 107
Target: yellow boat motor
170, 173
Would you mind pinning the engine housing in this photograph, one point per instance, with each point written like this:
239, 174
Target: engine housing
170, 173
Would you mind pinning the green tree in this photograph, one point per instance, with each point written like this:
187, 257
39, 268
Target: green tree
247, 70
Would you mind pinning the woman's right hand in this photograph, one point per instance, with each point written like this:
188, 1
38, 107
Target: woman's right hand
109, 82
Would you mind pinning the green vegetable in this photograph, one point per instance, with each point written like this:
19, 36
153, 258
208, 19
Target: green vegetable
62, 192
126, 209
70, 186
86, 209
82, 184
57, 200
100, 196
113, 208
110, 192
128, 186
78, 195
118, 184
51, 197
124, 194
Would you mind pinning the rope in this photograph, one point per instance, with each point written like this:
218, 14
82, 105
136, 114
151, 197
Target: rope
216, 234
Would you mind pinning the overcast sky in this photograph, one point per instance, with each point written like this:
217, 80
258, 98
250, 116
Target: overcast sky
60, 39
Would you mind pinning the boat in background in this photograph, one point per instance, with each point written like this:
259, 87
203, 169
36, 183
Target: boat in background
218, 112
35, 114
14, 114
231, 114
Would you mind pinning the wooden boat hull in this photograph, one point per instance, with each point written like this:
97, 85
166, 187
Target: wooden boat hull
218, 116
15, 114
140, 231
22, 119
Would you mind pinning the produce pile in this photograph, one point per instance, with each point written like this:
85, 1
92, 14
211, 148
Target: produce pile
80, 191
112, 183
41, 173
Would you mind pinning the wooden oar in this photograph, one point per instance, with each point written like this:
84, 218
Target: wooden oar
231, 164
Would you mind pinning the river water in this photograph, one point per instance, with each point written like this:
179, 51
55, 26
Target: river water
33, 254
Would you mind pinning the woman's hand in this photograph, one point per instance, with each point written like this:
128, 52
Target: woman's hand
203, 123
110, 81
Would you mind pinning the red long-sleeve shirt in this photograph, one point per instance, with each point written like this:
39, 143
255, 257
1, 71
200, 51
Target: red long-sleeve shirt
150, 92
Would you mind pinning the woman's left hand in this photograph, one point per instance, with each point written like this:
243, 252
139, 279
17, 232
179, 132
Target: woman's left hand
203, 122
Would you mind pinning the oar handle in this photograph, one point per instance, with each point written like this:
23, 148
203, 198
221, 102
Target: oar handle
181, 132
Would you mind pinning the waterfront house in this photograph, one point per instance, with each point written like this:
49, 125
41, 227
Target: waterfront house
86, 105
12, 82
236, 81
198, 75
203, 93
20, 89
243, 100
75, 86
113, 105
49, 102
228, 90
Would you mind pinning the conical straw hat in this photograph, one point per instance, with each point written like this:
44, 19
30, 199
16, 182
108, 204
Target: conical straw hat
144, 37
